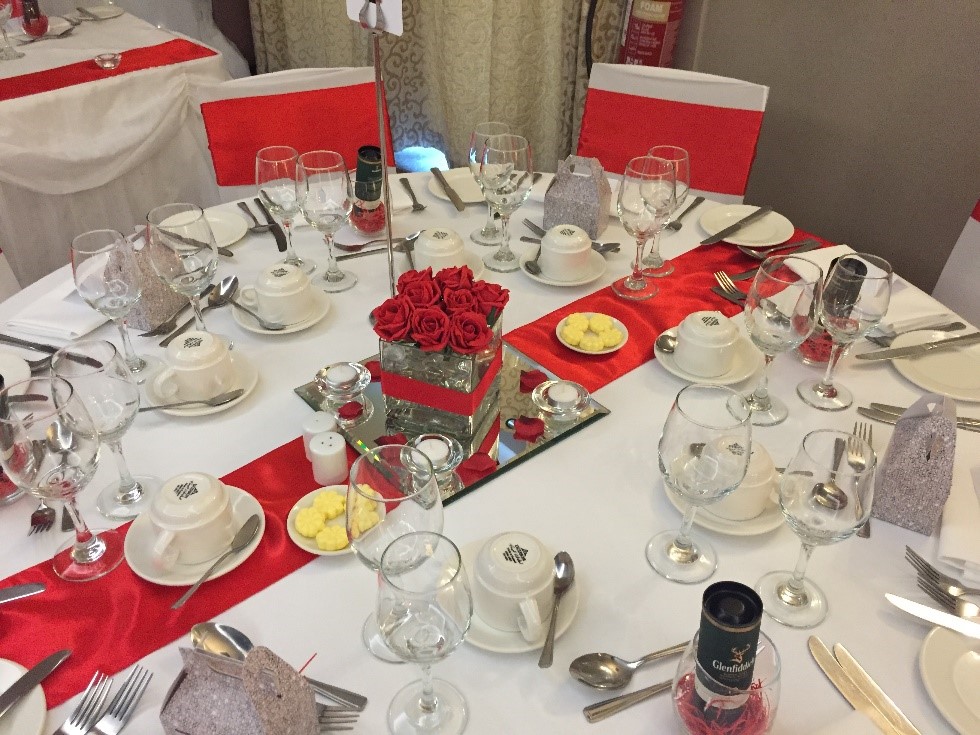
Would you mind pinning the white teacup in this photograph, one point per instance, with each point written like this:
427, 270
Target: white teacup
200, 367
565, 253
512, 584
438, 248
706, 344
191, 520
759, 488
282, 293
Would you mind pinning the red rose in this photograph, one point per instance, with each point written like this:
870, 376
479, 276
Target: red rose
490, 296
392, 319
459, 299
422, 292
469, 333
412, 276
430, 328
461, 277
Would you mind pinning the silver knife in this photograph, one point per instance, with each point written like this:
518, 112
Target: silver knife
727, 296
450, 191
917, 350
732, 229
934, 616
49, 349
897, 411
87, 13
19, 591
276, 228
845, 685
350, 699
804, 247
869, 687
23, 686
600, 246
539, 231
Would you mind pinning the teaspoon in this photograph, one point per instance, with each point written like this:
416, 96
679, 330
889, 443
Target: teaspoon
218, 400
242, 539
666, 343
605, 671
564, 576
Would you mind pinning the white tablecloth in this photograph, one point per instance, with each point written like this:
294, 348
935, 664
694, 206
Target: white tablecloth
597, 494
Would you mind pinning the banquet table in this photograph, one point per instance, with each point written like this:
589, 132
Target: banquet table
597, 494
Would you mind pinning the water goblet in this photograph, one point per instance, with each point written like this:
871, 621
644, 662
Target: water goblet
424, 611
323, 191
780, 312
7, 52
275, 179
654, 266
824, 501
49, 446
506, 172
855, 299
112, 398
489, 234
704, 454
392, 491
645, 198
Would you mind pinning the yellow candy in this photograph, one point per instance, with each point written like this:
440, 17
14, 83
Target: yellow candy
332, 538
611, 337
572, 335
309, 522
579, 321
362, 501
599, 323
591, 342
364, 520
330, 503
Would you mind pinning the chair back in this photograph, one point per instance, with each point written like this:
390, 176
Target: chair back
957, 284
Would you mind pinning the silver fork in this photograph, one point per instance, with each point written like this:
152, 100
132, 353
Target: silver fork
855, 458
333, 718
85, 714
727, 284
42, 518
965, 606
883, 341
123, 705
951, 585
417, 206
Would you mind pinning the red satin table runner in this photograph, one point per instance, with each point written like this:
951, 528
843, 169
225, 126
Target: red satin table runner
171, 52
115, 621
682, 292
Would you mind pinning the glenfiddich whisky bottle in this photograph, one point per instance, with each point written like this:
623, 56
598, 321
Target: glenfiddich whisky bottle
368, 213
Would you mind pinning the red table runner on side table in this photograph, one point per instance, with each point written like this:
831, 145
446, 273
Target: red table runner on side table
682, 292
114, 621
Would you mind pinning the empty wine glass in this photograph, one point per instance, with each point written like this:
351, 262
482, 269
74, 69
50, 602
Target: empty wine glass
780, 312
183, 252
824, 500
50, 447
392, 491
112, 398
645, 199
424, 611
654, 266
7, 52
275, 178
855, 299
323, 191
704, 454
506, 173
108, 278
490, 233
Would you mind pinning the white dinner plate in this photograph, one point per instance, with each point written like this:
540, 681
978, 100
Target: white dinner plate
104, 12
320, 308
597, 266
14, 369
309, 544
616, 323
954, 372
462, 181
771, 229
27, 716
227, 227
248, 376
949, 664
770, 519
483, 636
747, 360
139, 541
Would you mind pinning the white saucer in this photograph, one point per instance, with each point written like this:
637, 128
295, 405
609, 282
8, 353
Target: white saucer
771, 229
14, 369
27, 716
949, 664
472, 260
597, 266
769, 520
309, 544
747, 361
320, 308
483, 636
462, 181
139, 540
953, 372
616, 323
104, 12
248, 376
227, 227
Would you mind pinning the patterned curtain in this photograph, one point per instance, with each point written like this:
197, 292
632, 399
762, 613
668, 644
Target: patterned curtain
459, 63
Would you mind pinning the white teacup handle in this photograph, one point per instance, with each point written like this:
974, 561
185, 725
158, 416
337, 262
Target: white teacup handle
247, 296
164, 555
529, 620
165, 384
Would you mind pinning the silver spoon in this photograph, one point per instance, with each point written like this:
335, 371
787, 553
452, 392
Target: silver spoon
531, 266
242, 539
218, 297
564, 576
675, 224
666, 343
256, 226
829, 494
354, 247
264, 323
218, 400
605, 671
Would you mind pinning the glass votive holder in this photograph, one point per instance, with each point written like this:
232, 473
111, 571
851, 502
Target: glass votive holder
445, 454
734, 711
108, 60
342, 385
560, 404
368, 211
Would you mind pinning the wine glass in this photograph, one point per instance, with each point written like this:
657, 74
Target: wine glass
108, 278
489, 234
275, 178
645, 198
112, 398
323, 191
505, 173
392, 491
654, 266
182, 251
7, 52
780, 312
704, 454
855, 299
424, 611
824, 501
49, 446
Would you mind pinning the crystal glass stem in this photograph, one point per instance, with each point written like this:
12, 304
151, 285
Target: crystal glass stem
333, 272
653, 258
198, 316
490, 228
427, 700
825, 387
88, 547
636, 278
793, 592
134, 362
504, 253
291, 257
682, 543
759, 400
129, 489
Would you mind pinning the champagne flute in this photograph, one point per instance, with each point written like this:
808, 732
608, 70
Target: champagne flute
704, 453
323, 191
112, 398
7, 52
424, 611
275, 178
824, 501
780, 312
855, 299
654, 266
506, 176
489, 234
645, 198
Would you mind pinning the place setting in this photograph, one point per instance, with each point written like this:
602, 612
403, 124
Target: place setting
707, 348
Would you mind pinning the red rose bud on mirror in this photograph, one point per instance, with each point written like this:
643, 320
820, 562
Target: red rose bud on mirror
350, 410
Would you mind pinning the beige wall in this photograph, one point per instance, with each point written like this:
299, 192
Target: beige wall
872, 130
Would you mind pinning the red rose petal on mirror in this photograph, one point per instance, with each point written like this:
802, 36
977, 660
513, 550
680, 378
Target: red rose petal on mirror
374, 367
476, 468
398, 438
531, 379
350, 410
528, 429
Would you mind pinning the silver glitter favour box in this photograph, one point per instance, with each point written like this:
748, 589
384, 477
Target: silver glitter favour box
579, 195
913, 481
157, 301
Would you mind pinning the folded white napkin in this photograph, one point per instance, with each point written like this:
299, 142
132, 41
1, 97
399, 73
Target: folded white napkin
60, 314
824, 256
539, 189
854, 723
959, 542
